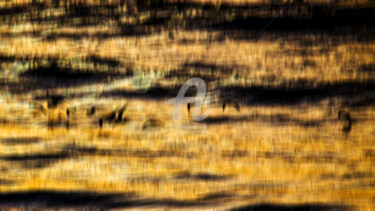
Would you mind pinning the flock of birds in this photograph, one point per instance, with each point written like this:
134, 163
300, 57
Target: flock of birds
116, 115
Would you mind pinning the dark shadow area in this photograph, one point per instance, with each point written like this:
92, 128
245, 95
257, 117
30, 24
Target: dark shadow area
298, 92
7, 182
154, 93
218, 196
285, 119
35, 160
369, 68
200, 176
149, 26
19, 141
55, 156
155, 203
59, 199
3, 120
75, 150
59, 77
234, 153
357, 175
207, 72
81, 199
61, 74
48, 79
7, 58
74, 21
296, 16
159, 92
334, 38
287, 207
355, 23
15, 10
369, 153
23, 58
334, 21
364, 101
305, 157
226, 119
56, 124
354, 93
274, 119
250, 29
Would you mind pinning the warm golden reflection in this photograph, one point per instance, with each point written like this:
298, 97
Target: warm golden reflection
84, 119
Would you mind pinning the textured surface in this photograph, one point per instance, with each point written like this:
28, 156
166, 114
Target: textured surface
281, 145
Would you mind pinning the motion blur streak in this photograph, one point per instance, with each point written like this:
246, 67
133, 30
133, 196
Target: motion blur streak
290, 92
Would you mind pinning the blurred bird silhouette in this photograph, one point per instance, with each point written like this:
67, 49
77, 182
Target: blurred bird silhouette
67, 115
114, 116
189, 107
53, 100
110, 117
346, 120
91, 111
101, 123
231, 103
120, 113
152, 123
